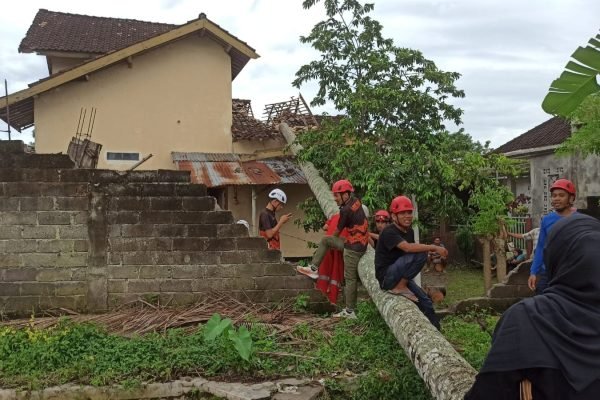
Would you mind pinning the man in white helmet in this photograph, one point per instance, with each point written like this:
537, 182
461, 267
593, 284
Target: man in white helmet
268, 226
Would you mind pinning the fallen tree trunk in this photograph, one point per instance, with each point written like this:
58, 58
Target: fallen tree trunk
447, 375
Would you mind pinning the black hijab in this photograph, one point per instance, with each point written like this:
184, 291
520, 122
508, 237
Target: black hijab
559, 329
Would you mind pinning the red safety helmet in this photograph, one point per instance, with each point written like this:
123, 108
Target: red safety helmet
342, 186
565, 185
382, 214
401, 203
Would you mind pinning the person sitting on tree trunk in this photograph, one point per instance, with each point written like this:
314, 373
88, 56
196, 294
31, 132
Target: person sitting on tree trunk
382, 219
354, 220
398, 259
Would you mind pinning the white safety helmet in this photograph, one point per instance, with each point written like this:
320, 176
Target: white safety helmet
244, 222
278, 194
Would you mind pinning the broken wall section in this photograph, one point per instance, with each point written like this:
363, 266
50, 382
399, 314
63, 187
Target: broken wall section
92, 240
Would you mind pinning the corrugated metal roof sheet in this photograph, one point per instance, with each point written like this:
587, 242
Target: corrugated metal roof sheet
287, 170
260, 173
225, 173
204, 157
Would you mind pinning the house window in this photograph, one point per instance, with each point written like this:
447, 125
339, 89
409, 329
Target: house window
112, 156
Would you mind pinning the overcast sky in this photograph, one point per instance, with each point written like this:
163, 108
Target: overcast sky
507, 51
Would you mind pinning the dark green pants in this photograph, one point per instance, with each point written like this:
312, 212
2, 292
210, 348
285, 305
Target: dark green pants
351, 259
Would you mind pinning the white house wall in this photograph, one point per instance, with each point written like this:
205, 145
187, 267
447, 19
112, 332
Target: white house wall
547, 168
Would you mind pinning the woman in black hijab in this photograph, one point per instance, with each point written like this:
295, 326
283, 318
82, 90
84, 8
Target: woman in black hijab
552, 340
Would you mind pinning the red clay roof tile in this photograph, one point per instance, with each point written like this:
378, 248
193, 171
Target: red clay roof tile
58, 31
552, 132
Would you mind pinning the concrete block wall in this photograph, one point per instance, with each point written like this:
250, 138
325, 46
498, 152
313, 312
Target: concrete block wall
92, 240
43, 239
175, 247
514, 285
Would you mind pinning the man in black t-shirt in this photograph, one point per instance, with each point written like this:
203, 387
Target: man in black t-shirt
398, 259
268, 226
354, 245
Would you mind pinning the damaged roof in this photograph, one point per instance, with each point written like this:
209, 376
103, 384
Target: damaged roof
217, 170
246, 127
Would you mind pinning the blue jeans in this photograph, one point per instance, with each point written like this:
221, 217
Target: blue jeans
408, 266
425, 304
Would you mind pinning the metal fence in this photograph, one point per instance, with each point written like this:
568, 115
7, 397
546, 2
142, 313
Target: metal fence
520, 225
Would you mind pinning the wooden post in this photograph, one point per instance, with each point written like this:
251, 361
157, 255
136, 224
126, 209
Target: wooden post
487, 263
500, 259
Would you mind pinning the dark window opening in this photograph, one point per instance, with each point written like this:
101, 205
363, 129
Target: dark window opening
111, 156
220, 194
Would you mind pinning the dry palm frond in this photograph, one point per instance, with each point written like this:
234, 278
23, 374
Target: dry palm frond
140, 317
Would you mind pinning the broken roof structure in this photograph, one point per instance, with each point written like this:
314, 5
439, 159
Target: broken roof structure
246, 127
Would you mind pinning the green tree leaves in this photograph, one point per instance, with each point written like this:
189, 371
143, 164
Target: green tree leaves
215, 327
578, 80
241, 339
395, 102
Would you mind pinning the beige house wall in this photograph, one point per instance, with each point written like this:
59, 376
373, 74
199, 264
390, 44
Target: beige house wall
293, 239
248, 147
173, 98
62, 63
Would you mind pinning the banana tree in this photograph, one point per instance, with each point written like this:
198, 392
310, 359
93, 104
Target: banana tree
578, 80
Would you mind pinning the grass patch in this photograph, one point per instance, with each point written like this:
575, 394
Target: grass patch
463, 282
357, 359
360, 359
470, 335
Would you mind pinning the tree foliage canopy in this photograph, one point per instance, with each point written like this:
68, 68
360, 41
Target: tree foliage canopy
392, 138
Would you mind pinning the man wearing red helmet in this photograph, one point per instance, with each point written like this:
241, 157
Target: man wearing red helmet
398, 259
354, 245
562, 194
382, 219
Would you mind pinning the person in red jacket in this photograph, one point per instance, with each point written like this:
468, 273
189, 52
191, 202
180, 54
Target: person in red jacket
331, 269
354, 220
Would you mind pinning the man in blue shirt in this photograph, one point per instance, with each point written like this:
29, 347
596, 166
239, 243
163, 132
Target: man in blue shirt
562, 195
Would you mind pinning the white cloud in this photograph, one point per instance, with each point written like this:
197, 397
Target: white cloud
507, 51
